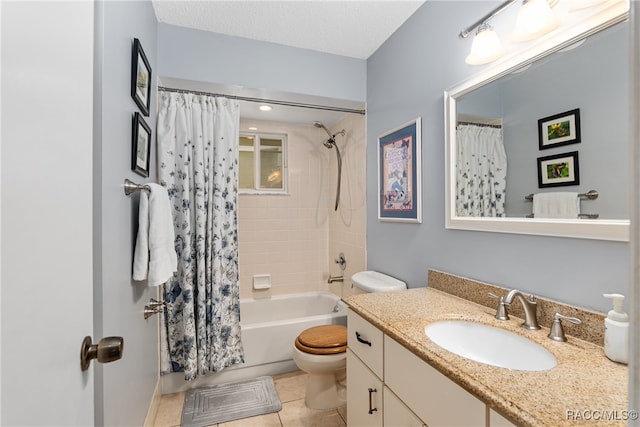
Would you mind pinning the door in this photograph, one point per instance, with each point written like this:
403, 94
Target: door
364, 394
46, 212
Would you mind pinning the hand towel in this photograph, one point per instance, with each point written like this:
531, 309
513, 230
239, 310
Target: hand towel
561, 204
155, 256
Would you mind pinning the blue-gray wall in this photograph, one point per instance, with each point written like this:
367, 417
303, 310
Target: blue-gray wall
124, 388
215, 58
406, 78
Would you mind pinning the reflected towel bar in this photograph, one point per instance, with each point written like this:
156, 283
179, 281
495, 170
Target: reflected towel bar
132, 187
590, 195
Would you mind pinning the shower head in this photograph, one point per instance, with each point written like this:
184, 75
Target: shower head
320, 125
331, 142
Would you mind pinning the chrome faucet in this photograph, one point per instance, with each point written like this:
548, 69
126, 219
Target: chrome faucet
335, 279
556, 332
530, 307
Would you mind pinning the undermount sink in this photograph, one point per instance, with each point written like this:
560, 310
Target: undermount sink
490, 345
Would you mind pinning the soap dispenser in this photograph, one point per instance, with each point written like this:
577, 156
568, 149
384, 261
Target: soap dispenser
616, 331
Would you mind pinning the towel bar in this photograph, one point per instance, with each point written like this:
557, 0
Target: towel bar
591, 195
132, 187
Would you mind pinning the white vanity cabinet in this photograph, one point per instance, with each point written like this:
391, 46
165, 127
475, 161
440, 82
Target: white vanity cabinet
366, 341
396, 413
433, 397
497, 420
364, 373
364, 394
387, 385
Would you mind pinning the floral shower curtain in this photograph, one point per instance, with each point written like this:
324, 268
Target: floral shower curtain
197, 142
481, 171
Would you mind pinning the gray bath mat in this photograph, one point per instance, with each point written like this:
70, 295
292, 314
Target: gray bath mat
228, 402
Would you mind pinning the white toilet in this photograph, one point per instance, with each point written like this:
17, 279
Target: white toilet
321, 351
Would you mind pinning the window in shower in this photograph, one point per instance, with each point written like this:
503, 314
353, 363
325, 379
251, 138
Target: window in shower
263, 163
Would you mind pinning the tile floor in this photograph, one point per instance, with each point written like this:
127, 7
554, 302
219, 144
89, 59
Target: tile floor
294, 413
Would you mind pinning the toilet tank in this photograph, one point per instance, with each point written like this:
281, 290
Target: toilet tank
372, 281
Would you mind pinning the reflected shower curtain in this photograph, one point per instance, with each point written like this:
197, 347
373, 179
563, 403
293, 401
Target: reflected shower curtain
481, 171
197, 140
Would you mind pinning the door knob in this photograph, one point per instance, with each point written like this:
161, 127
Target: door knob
107, 350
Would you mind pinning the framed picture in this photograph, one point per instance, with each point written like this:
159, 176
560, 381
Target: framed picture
558, 170
141, 146
399, 174
140, 78
560, 129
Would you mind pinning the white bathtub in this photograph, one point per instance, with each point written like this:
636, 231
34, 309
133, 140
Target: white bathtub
269, 327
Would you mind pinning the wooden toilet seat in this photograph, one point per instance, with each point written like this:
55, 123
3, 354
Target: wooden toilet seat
326, 339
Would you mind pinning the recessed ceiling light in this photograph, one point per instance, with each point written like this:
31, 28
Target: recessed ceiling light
265, 108
253, 128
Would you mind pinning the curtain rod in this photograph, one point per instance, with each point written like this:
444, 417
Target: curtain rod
482, 125
267, 101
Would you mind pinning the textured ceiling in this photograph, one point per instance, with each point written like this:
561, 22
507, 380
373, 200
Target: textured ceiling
354, 28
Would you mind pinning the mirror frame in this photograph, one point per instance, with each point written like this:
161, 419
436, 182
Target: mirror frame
603, 17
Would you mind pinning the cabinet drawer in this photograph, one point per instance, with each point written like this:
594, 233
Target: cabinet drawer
431, 395
364, 395
365, 340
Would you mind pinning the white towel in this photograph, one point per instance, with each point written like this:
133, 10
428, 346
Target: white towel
155, 255
561, 204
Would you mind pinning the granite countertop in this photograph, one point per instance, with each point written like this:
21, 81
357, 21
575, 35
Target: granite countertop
584, 384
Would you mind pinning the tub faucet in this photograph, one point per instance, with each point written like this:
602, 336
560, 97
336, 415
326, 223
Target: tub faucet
335, 279
529, 305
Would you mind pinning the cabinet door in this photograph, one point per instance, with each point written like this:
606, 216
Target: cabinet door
497, 420
396, 414
431, 395
364, 394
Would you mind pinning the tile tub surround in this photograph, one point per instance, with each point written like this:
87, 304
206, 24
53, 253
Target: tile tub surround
583, 380
591, 329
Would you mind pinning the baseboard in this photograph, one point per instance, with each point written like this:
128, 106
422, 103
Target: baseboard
150, 420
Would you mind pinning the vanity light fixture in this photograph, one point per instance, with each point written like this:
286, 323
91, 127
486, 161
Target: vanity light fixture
486, 46
485, 19
583, 4
535, 19
265, 108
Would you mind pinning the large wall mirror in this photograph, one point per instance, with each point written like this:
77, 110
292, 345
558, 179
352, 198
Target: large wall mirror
565, 106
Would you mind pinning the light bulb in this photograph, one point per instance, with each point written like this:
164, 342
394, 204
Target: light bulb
535, 19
